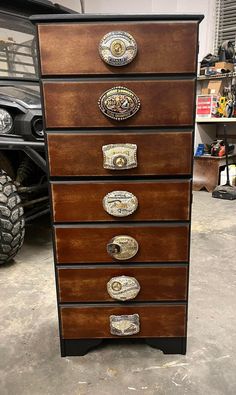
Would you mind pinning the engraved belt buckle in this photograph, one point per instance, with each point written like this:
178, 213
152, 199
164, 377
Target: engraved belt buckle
118, 48
119, 103
119, 156
120, 203
122, 247
123, 288
124, 325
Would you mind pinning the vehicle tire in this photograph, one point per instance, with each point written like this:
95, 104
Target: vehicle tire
12, 223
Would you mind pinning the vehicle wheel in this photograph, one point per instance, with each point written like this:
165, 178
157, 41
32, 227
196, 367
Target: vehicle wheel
12, 223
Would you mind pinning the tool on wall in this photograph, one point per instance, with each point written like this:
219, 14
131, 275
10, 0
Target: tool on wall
226, 191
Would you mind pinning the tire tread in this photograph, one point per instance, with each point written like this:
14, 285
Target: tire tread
12, 223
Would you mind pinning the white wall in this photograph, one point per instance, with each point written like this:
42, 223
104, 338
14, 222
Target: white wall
119, 6
72, 4
206, 7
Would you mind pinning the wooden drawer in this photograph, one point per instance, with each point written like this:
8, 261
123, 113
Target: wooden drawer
94, 321
71, 49
90, 285
74, 104
157, 200
88, 243
160, 153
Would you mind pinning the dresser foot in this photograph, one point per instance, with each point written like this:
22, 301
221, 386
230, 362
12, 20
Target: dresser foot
79, 347
169, 345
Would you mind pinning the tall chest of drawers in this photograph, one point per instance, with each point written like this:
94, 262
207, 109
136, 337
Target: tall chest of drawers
119, 102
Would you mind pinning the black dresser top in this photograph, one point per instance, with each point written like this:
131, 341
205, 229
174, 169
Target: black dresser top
115, 17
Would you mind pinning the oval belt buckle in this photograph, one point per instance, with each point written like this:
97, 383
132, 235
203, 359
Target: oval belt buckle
120, 203
119, 103
122, 247
118, 48
123, 288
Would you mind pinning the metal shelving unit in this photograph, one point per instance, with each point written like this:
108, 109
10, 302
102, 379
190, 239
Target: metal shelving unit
18, 60
217, 76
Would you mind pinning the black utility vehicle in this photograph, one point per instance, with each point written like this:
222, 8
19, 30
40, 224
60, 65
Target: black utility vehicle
23, 180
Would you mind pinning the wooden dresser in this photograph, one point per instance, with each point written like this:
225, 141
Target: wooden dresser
119, 104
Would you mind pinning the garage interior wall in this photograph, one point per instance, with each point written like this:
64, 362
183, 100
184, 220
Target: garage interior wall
207, 26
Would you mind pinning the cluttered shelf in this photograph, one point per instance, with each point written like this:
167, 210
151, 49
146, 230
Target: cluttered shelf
209, 76
217, 86
215, 162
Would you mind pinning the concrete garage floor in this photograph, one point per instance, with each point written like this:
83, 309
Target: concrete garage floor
29, 349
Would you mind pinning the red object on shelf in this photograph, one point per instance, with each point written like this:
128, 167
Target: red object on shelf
206, 106
222, 151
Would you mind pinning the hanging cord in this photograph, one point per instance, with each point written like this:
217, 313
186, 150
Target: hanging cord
82, 5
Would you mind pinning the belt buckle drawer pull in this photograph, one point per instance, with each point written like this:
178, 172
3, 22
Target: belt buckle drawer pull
123, 288
120, 203
124, 325
119, 103
118, 48
122, 247
119, 156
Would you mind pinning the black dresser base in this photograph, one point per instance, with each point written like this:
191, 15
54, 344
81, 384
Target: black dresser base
168, 345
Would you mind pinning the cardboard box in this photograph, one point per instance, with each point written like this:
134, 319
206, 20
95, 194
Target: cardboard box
216, 87
206, 106
205, 91
225, 66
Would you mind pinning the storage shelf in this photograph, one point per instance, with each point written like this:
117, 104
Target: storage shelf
217, 76
215, 120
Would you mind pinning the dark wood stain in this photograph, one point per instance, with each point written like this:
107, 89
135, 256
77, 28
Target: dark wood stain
93, 322
70, 49
160, 153
81, 244
90, 284
158, 201
74, 104
74, 77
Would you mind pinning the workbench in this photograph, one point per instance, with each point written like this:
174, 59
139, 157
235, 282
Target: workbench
206, 171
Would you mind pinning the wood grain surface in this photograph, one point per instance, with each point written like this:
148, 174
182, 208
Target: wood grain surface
159, 153
157, 200
87, 244
90, 284
93, 321
72, 48
74, 104
206, 171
